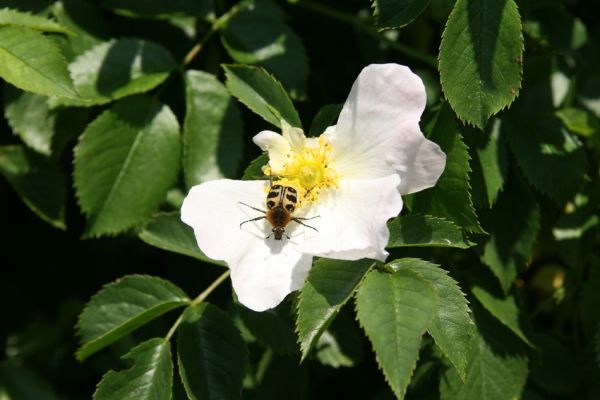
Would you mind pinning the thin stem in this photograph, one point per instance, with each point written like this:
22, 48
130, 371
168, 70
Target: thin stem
199, 299
350, 19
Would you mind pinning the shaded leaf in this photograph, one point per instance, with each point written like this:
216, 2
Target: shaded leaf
579, 121
150, 377
489, 163
41, 186
254, 170
554, 367
159, 8
281, 377
497, 365
119, 68
123, 306
86, 21
503, 307
20, 383
273, 328
395, 311
212, 130
417, 230
451, 327
480, 58
341, 345
329, 285
326, 117
32, 62
450, 198
514, 225
551, 158
45, 130
275, 46
211, 354
261, 93
125, 162
11, 17
167, 232
397, 13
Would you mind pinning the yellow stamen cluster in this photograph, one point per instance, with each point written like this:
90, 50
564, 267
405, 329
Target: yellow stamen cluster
309, 171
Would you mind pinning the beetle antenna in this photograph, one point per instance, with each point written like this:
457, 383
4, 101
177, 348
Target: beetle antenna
254, 208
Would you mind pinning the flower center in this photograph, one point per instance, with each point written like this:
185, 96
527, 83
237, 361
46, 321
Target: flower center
308, 171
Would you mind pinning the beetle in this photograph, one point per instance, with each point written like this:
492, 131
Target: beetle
281, 204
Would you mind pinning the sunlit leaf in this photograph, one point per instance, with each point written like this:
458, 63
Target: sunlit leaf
417, 230
452, 327
119, 68
329, 286
395, 311
275, 46
166, 231
264, 95
150, 377
125, 162
32, 62
211, 354
212, 131
579, 121
450, 198
480, 58
123, 306
12, 17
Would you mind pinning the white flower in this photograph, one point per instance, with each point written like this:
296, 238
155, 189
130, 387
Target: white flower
351, 177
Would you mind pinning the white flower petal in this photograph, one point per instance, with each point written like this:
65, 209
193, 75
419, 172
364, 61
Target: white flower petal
263, 271
294, 136
277, 147
352, 222
266, 274
378, 134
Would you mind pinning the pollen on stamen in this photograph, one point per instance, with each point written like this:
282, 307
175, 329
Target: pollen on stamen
308, 171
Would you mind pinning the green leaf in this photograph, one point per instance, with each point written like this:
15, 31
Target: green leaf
489, 163
395, 311
451, 327
32, 62
503, 307
326, 117
254, 170
597, 338
211, 354
590, 298
37, 182
125, 162
158, 8
123, 306
273, 328
10, 17
212, 131
261, 93
514, 225
20, 383
329, 286
552, 159
579, 121
167, 232
555, 368
416, 230
480, 58
341, 345
450, 198
275, 46
86, 21
119, 68
150, 377
497, 366
397, 13
45, 130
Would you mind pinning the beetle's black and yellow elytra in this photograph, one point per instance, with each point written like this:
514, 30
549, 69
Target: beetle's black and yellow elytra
281, 203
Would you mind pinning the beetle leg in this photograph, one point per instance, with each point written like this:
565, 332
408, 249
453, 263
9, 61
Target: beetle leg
253, 219
302, 223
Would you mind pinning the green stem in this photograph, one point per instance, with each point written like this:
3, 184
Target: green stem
360, 24
199, 299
